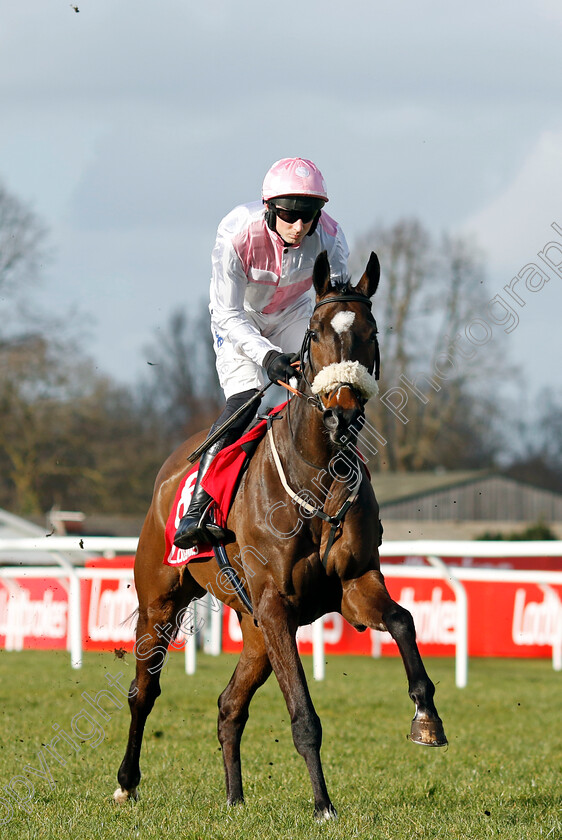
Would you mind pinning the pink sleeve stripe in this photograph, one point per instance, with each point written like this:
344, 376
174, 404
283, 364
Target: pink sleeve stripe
256, 249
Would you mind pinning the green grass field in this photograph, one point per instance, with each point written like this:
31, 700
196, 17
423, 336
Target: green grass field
499, 777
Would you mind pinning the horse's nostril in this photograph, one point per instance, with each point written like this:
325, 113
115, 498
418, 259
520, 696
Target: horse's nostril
331, 421
343, 424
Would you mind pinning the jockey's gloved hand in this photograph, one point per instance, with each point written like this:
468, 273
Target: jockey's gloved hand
278, 366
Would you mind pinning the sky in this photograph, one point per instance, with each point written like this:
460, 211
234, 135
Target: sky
132, 127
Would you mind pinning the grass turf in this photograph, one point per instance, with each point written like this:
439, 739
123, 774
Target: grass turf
499, 777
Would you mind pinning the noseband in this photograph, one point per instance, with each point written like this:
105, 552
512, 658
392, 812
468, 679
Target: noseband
305, 347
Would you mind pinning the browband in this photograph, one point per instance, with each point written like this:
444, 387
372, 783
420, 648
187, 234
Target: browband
360, 298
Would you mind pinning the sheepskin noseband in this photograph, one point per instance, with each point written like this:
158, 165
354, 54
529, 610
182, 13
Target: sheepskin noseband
345, 373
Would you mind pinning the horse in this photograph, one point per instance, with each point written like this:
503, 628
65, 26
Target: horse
299, 557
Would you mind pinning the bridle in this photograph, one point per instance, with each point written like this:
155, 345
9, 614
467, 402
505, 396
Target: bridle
304, 354
335, 522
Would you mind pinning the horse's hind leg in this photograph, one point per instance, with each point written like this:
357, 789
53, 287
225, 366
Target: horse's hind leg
252, 670
159, 607
367, 603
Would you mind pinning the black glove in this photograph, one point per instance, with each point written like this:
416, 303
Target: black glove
278, 366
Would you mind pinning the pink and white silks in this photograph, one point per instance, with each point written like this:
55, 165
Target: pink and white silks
260, 291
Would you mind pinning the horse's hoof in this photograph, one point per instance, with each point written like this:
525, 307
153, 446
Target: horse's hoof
120, 796
428, 731
323, 814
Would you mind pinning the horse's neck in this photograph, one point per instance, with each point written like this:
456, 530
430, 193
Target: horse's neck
306, 446
307, 433
310, 463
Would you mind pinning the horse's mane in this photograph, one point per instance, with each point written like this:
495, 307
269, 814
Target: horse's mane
345, 287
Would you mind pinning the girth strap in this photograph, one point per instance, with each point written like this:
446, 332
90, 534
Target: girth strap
334, 521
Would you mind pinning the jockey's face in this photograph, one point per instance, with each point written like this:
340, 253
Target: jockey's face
292, 234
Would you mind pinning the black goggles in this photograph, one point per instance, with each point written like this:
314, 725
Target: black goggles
292, 216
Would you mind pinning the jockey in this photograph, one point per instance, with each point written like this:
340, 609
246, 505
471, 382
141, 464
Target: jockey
261, 303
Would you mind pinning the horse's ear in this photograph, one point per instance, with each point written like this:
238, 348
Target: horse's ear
321, 274
369, 283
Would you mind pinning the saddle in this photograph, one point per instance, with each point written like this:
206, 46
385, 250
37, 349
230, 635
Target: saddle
220, 482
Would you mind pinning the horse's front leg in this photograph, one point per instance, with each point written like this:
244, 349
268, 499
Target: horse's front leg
367, 603
279, 631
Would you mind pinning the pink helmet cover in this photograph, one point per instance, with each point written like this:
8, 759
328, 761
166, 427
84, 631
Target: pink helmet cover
294, 176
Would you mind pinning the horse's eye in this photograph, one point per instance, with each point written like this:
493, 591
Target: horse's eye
313, 335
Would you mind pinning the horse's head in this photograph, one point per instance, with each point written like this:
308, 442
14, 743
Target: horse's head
343, 354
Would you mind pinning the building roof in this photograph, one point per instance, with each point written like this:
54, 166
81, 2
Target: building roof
394, 486
464, 495
16, 527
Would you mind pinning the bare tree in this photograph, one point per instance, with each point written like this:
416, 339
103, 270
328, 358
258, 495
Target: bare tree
21, 242
181, 385
538, 459
31, 382
438, 398
70, 437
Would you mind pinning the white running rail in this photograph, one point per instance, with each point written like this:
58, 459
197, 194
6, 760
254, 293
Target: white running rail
435, 552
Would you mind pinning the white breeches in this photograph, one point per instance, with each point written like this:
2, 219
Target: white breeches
238, 373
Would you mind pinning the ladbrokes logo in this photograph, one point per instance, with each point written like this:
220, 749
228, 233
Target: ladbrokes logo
21, 617
537, 622
109, 611
435, 620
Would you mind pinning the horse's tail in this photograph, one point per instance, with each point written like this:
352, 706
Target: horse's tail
127, 622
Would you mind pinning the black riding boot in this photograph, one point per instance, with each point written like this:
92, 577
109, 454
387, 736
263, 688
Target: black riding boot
195, 528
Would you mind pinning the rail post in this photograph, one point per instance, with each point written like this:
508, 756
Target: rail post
74, 619
461, 629
191, 645
318, 658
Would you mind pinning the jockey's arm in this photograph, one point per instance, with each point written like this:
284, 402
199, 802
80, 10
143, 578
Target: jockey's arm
228, 286
338, 255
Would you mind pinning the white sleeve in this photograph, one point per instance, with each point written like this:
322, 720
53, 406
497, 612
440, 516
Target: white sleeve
228, 287
338, 255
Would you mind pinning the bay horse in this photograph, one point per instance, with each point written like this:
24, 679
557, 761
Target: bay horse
299, 557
